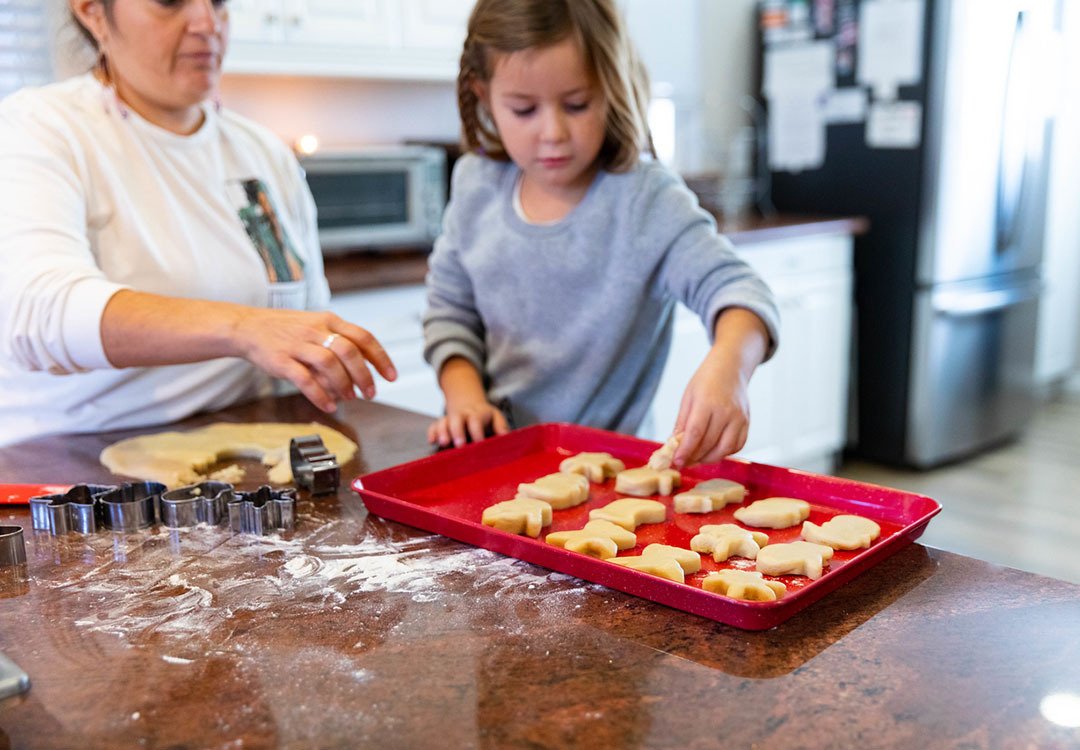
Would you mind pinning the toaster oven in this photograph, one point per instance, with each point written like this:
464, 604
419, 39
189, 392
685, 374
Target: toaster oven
377, 197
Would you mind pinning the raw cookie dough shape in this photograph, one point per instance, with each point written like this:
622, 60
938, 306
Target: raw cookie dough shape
726, 540
795, 559
522, 515
842, 532
180, 458
774, 512
644, 481
710, 495
596, 467
601, 539
664, 561
662, 456
657, 565
747, 585
558, 490
630, 513
688, 560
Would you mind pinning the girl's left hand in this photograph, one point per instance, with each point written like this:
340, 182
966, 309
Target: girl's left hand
714, 415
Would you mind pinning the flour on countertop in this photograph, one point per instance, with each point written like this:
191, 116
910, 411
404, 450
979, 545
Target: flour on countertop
195, 598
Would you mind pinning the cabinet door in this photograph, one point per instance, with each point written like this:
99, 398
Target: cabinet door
434, 25
812, 363
345, 23
256, 20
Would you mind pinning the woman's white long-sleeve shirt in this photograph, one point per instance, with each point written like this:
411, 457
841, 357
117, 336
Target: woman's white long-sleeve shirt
94, 199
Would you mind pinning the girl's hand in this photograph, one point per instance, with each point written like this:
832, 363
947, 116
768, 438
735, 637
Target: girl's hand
714, 416
715, 411
468, 421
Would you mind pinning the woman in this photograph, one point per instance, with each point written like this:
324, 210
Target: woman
159, 253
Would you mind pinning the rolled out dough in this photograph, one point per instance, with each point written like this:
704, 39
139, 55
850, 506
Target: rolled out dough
179, 458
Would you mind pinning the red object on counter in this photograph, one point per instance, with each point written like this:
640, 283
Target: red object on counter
446, 493
20, 494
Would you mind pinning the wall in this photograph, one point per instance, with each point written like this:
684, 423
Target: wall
345, 112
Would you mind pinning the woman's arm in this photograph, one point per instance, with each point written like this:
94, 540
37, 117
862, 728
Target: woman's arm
319, 352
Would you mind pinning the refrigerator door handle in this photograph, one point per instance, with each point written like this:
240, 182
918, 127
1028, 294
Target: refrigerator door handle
963, 304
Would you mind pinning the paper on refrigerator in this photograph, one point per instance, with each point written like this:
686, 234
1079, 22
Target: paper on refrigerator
798, 78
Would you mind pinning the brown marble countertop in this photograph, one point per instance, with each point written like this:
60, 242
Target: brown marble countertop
358, 632
352, 271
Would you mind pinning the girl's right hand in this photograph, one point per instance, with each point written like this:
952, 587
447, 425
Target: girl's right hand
465, 422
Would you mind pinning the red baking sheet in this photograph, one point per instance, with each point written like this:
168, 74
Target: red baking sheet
20, 494
446, 493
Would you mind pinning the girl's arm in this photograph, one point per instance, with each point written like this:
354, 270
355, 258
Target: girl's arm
468, 411
714, 415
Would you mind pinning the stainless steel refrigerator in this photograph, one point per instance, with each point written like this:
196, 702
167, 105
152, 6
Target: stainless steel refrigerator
947, 279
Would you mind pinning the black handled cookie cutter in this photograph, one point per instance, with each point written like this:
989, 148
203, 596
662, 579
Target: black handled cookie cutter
313, 467
12, 546
74, 510
263, 511
205, 502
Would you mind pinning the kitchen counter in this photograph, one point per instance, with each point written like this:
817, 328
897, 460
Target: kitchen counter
358, 632
351, 271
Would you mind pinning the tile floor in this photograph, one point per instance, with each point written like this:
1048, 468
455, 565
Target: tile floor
1017, 505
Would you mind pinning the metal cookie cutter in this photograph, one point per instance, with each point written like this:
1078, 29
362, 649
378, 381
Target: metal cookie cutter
12, 546
205, 502
263, 511
313, 467
131, 506
74, 510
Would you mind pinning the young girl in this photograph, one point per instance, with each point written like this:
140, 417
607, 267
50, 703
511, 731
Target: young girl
552, 288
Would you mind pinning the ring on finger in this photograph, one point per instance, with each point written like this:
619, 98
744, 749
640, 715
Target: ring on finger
329, 340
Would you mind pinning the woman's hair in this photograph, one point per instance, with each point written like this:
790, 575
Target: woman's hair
507, 26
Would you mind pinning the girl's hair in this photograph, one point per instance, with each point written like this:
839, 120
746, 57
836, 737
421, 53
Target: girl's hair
507, 26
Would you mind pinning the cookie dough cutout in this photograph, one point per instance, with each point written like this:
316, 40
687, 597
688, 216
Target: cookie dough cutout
644, 481
794, 558
179, 458
726, 540
688, 560
522, 515
629, 513
662, 456
596, 467
561, 491
710, 495
600, 539
747, 585
774, 512
842, 532
657, 565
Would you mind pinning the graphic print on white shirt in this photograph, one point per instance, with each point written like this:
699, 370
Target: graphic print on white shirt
260, 219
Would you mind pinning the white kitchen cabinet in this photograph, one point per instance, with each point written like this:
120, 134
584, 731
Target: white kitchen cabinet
393, 316
397, 39
798, 400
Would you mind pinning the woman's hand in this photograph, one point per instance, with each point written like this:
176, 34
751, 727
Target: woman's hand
323, 355
468, 412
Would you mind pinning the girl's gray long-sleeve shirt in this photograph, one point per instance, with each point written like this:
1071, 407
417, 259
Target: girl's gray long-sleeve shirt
571, 322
